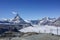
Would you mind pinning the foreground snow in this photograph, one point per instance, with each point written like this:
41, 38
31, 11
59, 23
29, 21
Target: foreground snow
41, 29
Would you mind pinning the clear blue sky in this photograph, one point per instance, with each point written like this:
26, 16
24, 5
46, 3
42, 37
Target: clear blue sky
30, 9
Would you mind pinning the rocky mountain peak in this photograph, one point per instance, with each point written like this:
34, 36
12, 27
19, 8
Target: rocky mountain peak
18, 19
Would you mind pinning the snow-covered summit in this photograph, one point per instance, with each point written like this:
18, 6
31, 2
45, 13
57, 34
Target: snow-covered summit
17, 19
47, 21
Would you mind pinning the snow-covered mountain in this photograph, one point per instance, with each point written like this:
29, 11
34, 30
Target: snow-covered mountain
50, 21
57, 22
17, 22
43, 21
18, 19
47, 21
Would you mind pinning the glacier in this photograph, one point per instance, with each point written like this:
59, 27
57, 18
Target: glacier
42, 29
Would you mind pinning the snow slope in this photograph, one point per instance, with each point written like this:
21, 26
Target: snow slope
42, 29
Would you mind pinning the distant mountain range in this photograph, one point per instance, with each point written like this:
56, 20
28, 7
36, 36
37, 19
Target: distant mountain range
46, 21
43, 21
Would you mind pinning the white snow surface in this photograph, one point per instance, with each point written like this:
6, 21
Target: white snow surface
42, 29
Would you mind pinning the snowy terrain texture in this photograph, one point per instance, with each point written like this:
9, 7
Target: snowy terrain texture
42, 29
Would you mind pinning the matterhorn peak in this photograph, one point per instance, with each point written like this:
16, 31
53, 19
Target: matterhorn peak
17, 19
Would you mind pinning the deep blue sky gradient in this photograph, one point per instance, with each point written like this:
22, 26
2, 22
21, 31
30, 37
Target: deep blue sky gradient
30, 9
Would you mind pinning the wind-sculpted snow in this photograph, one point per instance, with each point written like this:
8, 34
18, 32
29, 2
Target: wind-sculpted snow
42, 29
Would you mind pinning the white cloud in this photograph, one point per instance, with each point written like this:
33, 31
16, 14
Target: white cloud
14, 12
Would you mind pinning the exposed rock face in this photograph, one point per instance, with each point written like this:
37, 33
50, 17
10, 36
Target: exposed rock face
50, 21
18, 19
